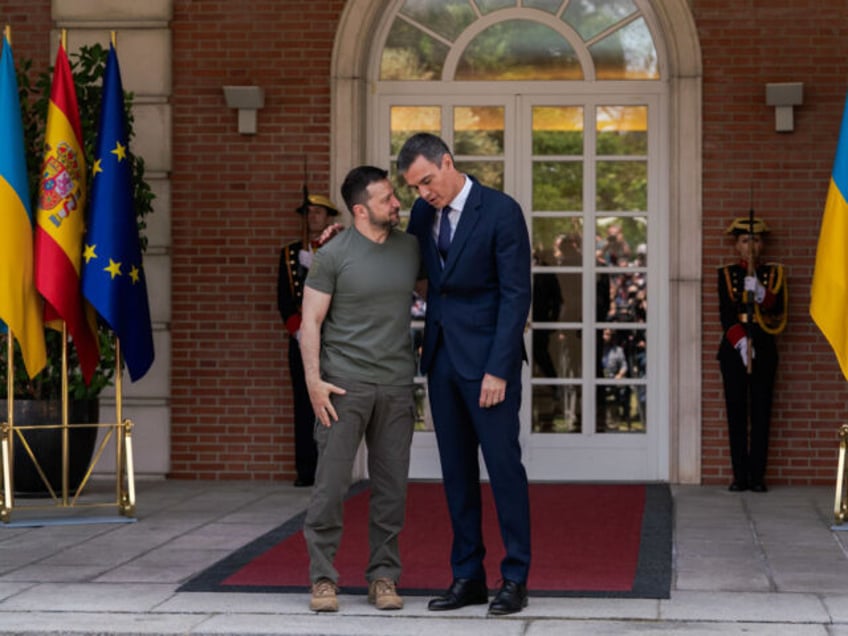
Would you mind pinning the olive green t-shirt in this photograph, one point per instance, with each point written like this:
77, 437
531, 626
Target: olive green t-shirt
366, 333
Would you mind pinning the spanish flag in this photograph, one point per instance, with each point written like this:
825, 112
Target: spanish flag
829, 295
60, 221
20, 306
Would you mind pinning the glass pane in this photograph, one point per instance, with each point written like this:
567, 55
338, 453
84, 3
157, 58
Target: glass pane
519, 50
620, 409
556, 353
623, 353
558, 241
603, 298
622, 130
616, 236
551, 6
556, 409
628, 53
417, 343
622, 185
571, 286
448, 18
406, 121
589, 17
490, 173
411, 54
557, 186
557, 130
613, 361
478, 130
547, 297
487, 6
423, 420
557, 297
628, 298
404, 193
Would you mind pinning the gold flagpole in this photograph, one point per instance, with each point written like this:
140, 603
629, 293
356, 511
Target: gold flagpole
123, 442
6, 437
8, 426
119, 419
65, 437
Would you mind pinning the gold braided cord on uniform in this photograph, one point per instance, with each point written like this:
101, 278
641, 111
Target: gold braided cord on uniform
774, 284
288, 260
729, 283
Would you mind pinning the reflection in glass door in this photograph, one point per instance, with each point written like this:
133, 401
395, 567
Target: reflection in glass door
581, 174
590, 240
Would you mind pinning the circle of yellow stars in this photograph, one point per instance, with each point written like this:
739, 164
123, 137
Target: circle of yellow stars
114, 267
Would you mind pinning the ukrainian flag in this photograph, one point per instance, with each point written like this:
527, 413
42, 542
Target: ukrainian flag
829, 296
20, 305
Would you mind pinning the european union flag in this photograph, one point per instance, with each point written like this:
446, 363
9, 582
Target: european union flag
113, 278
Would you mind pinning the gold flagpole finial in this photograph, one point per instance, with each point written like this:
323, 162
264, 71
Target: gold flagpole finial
63, 39
7, 33
114, 39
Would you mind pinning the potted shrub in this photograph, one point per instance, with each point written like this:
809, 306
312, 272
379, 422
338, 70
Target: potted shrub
38, 400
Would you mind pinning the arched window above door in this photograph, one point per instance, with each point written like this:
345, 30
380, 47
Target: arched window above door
519, 40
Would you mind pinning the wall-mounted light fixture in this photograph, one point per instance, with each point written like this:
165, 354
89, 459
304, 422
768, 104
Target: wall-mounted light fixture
247, 99
783, 96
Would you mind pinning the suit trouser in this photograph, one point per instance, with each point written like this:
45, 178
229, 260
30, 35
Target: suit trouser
748, 397
384, 416
305, 451
462, 427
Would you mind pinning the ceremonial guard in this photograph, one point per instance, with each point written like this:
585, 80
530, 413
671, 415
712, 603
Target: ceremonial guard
295, 260
753, 306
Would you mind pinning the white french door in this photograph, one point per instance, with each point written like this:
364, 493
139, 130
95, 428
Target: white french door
588, 172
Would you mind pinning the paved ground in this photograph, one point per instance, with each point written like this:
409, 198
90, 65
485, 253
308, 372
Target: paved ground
756, 564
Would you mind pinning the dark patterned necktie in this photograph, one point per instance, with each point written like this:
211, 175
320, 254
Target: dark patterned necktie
444, 234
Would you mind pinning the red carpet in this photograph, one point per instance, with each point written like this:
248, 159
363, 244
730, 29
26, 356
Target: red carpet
587, 539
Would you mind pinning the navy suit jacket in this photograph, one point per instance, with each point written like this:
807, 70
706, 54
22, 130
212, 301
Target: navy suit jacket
479, 302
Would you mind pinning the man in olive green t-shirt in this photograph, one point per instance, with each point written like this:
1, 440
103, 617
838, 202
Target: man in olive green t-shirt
359, 366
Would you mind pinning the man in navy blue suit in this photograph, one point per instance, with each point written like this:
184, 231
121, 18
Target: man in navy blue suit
476, 253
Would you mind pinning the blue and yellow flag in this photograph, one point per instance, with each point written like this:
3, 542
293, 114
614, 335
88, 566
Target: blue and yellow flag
829, 295
20, 306
113, 278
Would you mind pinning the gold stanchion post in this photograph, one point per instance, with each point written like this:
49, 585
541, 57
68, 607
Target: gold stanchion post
840, 503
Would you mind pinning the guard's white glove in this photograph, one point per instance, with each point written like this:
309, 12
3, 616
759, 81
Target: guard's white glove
753, 284
742, 348
304, 257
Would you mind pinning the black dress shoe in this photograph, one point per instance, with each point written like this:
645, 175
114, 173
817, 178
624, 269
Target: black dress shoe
511, 598
462, 592
738, 486
303, 483
759, 487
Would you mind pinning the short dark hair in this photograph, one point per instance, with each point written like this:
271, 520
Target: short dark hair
355, 186
426, 145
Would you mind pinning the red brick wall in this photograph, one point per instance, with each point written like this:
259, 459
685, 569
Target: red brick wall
746, 45
30, 22
233, 208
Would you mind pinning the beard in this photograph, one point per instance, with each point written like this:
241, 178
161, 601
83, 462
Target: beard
382, 224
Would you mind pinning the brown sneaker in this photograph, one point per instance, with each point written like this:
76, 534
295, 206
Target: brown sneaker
324, 596
383, 595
